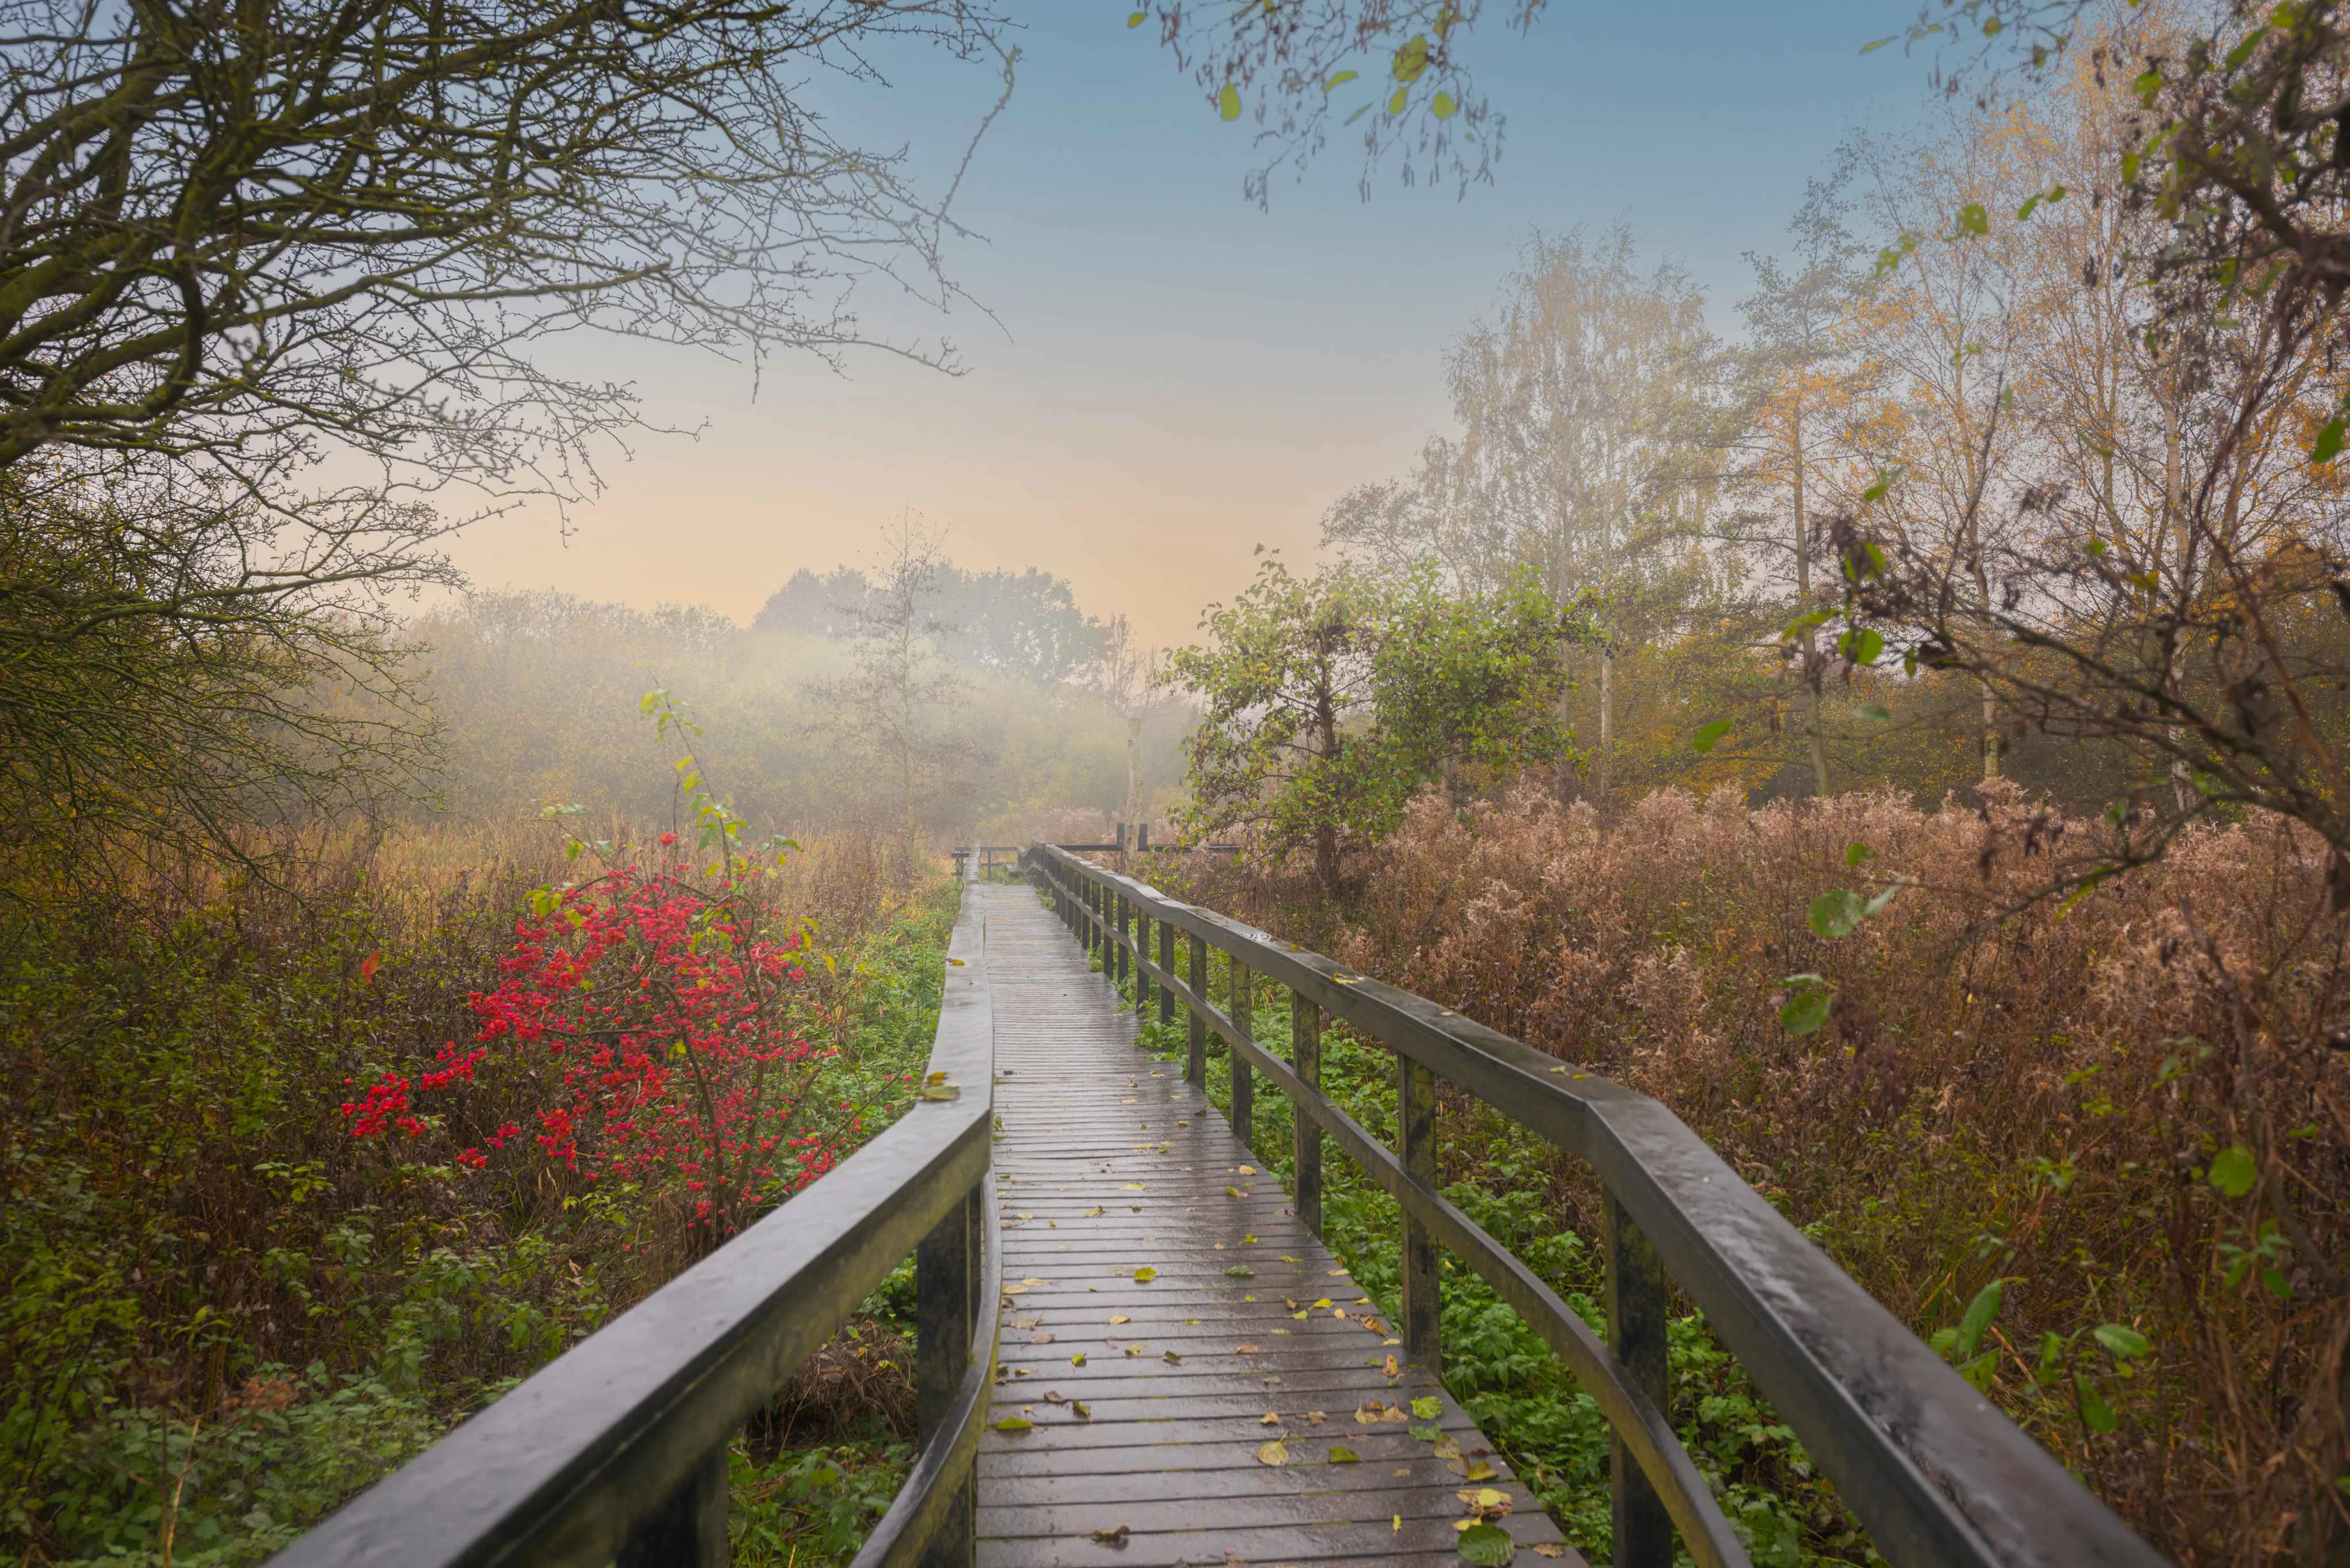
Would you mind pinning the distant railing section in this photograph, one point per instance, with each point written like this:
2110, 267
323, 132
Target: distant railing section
1936, 1474
1009, 856
616, 1452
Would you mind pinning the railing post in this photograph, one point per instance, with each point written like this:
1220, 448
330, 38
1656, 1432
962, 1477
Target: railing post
1166, 962
1244, 1075
1195, 1065
1125, 923
689, 1530
946, 1274
1305, 1058
1636, 1333
1423, 1308
1141, 959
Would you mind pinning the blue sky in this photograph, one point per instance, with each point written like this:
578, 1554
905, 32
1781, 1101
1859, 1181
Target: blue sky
1171, 376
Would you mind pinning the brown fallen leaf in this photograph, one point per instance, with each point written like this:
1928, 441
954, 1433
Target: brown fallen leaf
1549, 1549
1173, 1359
1054, 1397
1248, 1349
1394, 1367
1272, 1418
1112, 1537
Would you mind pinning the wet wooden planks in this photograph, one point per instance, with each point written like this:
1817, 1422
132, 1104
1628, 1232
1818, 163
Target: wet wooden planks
1108, 1164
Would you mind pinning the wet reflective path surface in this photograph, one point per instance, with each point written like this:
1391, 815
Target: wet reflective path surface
1201, 1383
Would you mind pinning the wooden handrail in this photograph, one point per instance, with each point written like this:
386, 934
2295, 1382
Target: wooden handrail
1938, 1474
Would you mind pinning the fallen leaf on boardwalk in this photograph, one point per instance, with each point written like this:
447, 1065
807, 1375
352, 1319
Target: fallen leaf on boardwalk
1274, 1453
1081, 1410
1337, 1273
1272, 1418
1479, 1470
1338, 1311
1032, 1279
1125, 1102
1241, 1271
1026, 1217
1401, 1472
1040, 1339
1426, 1434
1287, 1259
1173, 1359
1427, 1408
1078, 1359
1300, 1316
1398, 1521
1054, 1397
1322, 1302
1112, 1537
1394, 1369
1447, 1448
1024, 1322
1015, 1289
1487, 1500
1137, 1187
1340, 1454
1119, 1317
1145, 1274
1487, 1546
1012, 1424
1229, 1192
1247, 1241
1134, 1350
1248, 1170
1549, 1549
1317, 1417
939, 1092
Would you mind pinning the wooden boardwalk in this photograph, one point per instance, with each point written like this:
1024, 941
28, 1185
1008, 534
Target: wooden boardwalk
1167, 1317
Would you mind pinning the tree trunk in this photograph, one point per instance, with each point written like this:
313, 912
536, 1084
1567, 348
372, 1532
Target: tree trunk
1817, 742
1607, 720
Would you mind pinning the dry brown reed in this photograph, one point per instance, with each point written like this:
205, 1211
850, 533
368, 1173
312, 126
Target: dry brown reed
2002, 1090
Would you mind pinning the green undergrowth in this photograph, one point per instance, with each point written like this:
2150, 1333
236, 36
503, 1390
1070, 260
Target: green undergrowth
223, 1318
1553, 1432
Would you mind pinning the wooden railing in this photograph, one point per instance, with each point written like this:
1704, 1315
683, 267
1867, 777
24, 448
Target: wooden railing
1936, 1474
617, 1450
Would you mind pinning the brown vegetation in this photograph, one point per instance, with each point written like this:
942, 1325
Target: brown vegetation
2005, 1089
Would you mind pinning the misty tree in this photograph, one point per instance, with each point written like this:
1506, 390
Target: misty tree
1807, 372
895, 705
1131, 679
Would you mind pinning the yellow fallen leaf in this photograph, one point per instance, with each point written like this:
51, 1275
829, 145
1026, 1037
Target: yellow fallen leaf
1233, 1192
1144, 1275
1394, 1369
1398, 1521
1247, 1241
1322, 1302
1549, 1549
1272, 1418
1299, 1316
1119, 1317
1093, 1213
1136, 1187
1078, 1359
1248, 1170
1274, 1453
1246, 1349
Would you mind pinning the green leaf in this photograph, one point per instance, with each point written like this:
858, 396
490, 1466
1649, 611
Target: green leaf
1877, 711
1241, 1271
1488, 1546
1856, 852
1013, 1424
1708, 736
1886, 480
1228, 102
1411, 60
1425, 1434
1442, 106
1971, 221
1340, 1454
1870, 48
1862, 645
1976, 1321
1341, 80
1804, 1014
1143, 1276
1137, 18
2243, 50
2328, 445
1428, 1408
2234, 1171
1836, 914
2094, 1410
2121, 1339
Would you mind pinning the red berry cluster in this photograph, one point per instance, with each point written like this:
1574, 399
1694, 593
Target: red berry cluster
660, 1005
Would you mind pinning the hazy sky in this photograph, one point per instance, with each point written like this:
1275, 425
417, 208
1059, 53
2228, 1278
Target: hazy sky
1172, 375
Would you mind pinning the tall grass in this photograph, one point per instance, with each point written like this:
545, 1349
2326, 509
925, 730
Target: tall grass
2005, 1090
